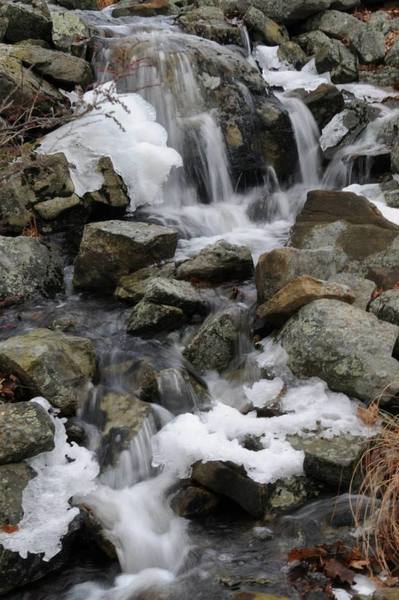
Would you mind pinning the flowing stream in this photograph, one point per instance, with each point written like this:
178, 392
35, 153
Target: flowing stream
155, 548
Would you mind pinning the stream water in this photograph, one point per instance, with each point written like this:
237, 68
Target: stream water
155, 548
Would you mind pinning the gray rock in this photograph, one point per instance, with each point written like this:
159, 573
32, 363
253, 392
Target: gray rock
390, 188
214, 345
111, 249
113, 192
370, 45
264, 30
3, 27
392, 57
132, 288
395, 157
79, 4
296, 10
147, 317
347, 347
13, 480
313, 41
26, 430
26, 21
292, 53
336, 24
208, 22
361, 287
60, 67
331, 461
48, 176
180, 294
28, 269
193, 502
324, 103
338, 59
383, 76
380, 21
49, 210
217, 263
59, 367
70, 33
343, 129
148, 8
386, 306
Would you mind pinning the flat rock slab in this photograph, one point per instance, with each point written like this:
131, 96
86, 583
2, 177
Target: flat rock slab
111, 249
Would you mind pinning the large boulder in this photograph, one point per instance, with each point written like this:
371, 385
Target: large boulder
345, 346
28, 268
209, 22
57, 366
111, 249
215, 343
13, 480
26, 430
27, 21
217, 263
297, 293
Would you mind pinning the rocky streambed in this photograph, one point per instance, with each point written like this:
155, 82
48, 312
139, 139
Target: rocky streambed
199, 263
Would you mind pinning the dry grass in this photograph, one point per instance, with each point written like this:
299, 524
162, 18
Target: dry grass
378, 470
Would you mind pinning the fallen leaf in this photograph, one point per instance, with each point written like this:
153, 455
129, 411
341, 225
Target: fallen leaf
8, 528
336, 570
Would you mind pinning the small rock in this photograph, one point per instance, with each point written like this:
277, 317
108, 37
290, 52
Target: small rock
257, 596
386, 306
264, 30
132, 288
297, 293
147, 317
370, 45
339, 60
26, 430
113, 192
13, 480
392, 57
111, 249
49, 210
382, 76
292, 53
70, 33
180, 294
193, 502
148, 8
26, 21
208, 22
217, 263
324, 103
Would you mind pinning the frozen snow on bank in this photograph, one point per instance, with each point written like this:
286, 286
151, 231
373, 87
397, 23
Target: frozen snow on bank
132, 139
307, 408
66, 471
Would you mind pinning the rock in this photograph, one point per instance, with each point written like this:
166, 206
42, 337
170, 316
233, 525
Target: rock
70, 33
331, 461
390, 189
214, 345
15, 197
80, 4
132, 288
386, 306
28, 268
296, 10
48, 176
26, 90
61, 68
383, 76
264, 30
290, 493
292, 53
395, 157
26, 430
380, 21
208, 22
180, 392
13, 480
386, 594
297, 293
113, 192
361, 287
49, 210
148, 8
313, 41
27, 21
336, 24
392, 57
348, 348
147, 317
111, 249
59, 367
370, 45
123, 418
343, 129
339, 60
3, 27
217, 263
231, 481
257, 596
193, 502
180, 294
324, 103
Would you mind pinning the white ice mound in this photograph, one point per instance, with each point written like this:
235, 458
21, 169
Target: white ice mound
66, 471
124, 130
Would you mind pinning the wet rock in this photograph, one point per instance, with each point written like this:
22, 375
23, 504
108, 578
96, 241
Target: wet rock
386, 306
208, 22
217, 263
13, 480
60, 67
339, 60
336, 24
324, 103
347, 347
214, 345
370, 45
193, 502
343, 129
132, 288
180, 294
28, 268
147, 317
24, 88
111, 249
27, 21
264, 30
331, 461
113, 192
179, 391
58, 366
26, 430
292, 53
231, 481
149, 8
70, 33
290, 493
296, 10
297, 293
